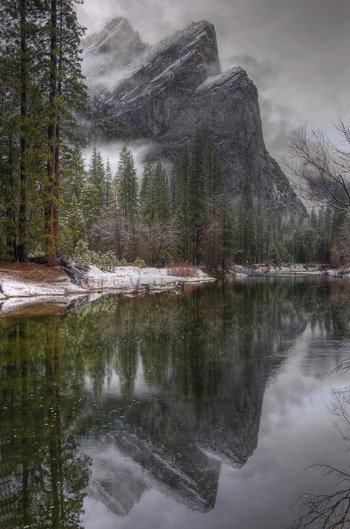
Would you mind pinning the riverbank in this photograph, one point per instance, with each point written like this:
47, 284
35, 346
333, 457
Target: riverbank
239, 271
23, 284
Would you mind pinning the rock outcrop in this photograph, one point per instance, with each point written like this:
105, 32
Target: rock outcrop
178, 88
108, 54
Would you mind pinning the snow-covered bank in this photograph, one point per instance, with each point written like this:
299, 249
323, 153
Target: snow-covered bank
238, 271
132, 278
21, 285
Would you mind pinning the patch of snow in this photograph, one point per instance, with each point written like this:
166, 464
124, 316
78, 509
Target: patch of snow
238, 271
220, 79
17, 288
21, 303
179, 62
134, 278
17, 293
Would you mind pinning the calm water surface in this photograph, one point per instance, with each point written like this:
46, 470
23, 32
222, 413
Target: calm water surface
195, 411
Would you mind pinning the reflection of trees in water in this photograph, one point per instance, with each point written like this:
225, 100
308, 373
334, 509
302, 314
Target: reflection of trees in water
332, 510
192, 372
41, 481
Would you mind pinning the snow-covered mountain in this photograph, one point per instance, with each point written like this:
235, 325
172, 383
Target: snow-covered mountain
107, 55
168, 91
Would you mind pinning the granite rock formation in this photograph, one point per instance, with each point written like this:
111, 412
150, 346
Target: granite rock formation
167, 92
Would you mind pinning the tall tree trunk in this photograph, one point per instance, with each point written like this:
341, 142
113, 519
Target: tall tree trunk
23, 206
11, 232
57, 146
51, 193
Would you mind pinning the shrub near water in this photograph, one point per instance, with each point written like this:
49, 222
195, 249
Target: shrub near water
106, 261
182, 270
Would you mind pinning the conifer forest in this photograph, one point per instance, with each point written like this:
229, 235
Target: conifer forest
54, 205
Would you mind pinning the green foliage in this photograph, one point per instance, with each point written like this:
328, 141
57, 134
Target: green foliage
96, 177
41, 90
247, 224
73, 227
83, 256
197, 193
139, 262
127, 187
154, 195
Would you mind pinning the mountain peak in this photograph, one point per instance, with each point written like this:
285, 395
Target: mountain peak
118, 22
177, 87
107, 53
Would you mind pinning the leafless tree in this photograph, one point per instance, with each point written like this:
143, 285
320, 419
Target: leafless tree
330, 511
321, 167
158, 241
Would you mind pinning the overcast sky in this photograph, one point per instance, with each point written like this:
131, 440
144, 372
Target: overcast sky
296, 51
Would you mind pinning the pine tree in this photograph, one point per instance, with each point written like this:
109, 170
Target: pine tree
18, 70
226, 239
154, 195
161, 193
41, 81
73, 227
147, 210
127, 199
90, 207
246, 223
97, 177
108, 184
66, 94
180, 191
127, 186
196, 189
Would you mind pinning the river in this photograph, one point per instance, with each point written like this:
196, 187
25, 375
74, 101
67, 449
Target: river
204, 410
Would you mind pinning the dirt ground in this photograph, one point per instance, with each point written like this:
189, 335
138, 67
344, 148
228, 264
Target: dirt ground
30, 272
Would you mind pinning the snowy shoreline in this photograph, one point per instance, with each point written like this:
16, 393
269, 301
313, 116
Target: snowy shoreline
239, 271
29, 286
16, 290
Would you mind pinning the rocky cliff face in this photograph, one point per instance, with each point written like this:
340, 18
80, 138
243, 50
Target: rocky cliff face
177, 88
108, 54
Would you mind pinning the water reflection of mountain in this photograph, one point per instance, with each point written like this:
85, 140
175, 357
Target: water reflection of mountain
205, 361
168, 387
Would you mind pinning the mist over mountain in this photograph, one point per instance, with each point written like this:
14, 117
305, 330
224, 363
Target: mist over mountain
167, 92
109, 52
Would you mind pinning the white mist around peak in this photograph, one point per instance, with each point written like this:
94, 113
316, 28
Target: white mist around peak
140, 149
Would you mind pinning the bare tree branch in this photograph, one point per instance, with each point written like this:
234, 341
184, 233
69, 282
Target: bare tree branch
321, 168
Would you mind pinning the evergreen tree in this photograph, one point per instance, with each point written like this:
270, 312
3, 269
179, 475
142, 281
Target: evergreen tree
161, 193
90, 207
196, 190
226, 230
73, 227
97, 178
154, 195
246, 223
147, 203
66, 94
127, 198
20, 46
127, 187
41, 86
108, 179
180, 189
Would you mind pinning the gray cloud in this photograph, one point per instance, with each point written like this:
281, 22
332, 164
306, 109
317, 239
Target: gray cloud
295, 51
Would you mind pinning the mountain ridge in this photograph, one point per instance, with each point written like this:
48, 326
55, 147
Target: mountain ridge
176, 87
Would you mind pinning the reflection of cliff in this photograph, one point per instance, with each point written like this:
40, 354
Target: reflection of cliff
204, 361
159, 390
114, 481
